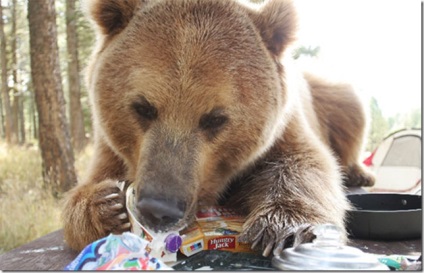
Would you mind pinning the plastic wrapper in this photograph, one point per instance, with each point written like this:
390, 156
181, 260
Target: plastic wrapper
117, 252
400, 262
163, 245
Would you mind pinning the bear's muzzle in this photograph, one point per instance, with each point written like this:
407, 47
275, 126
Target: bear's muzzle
160, 213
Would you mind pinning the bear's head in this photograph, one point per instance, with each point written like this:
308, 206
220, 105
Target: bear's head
188, 93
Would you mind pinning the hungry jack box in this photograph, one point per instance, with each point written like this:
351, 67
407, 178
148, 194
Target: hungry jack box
215, 228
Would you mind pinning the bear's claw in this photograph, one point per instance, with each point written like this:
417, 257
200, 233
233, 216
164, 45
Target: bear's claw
117, 206
126, 226
122, 216
268, 235
110, 208
112, 196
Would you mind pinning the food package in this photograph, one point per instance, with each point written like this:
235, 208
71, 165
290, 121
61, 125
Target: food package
216, 228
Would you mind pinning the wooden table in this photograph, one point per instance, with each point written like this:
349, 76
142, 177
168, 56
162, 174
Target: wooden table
46, 253
51, 253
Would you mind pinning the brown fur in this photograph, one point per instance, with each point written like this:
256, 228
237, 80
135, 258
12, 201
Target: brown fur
191, 101
342, 125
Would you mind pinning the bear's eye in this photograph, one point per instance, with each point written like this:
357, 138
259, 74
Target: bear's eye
144, 109
213, 121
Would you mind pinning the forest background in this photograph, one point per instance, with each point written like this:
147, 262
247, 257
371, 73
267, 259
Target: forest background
31, 183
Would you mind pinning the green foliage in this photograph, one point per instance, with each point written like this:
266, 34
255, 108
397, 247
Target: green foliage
378, 125
381, 126
408, 120
306, 51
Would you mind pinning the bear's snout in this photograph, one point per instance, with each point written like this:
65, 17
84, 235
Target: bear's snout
160, 213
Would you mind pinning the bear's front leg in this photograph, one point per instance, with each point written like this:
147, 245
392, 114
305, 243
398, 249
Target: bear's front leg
96, 208
93, 211
295, 187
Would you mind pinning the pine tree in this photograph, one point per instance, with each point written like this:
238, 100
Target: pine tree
54, 137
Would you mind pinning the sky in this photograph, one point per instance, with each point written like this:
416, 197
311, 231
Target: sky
375, 44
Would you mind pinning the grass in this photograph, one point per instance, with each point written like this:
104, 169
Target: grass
27, 211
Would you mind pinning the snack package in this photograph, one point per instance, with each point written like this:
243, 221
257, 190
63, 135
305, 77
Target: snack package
117, 252
216, 228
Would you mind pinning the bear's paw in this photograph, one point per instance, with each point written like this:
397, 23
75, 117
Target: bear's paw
108, 209
273, 228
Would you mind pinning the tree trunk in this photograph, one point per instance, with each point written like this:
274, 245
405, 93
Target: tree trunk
54, 139
22, 139
75, 110
33, 115
4, 87
17, 95
21, 101
2, 136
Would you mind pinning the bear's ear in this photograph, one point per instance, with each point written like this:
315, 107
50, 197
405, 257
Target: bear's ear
277, 23
112, 16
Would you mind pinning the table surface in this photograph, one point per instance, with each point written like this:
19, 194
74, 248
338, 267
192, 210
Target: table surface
50, 252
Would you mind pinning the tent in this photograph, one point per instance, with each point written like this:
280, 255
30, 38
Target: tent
396, 162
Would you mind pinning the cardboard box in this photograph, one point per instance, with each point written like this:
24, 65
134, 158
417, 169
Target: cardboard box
215, 228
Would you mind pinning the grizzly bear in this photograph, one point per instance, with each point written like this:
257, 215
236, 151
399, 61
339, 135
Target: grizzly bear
194, 102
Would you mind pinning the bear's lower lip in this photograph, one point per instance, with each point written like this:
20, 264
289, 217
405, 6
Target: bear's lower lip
158, 212
187, 220
159, 226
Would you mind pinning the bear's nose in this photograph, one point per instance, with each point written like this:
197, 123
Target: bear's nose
160, 213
